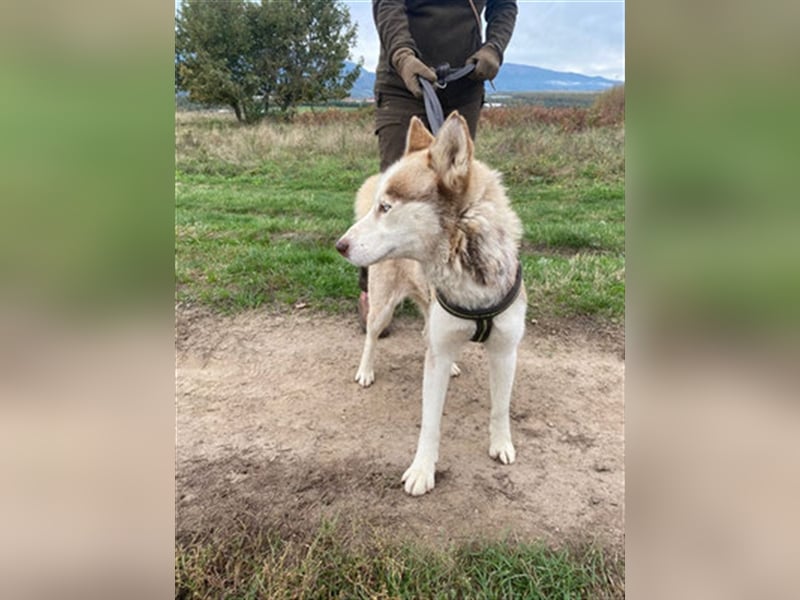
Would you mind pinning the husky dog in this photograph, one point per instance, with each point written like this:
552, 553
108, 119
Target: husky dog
448, 217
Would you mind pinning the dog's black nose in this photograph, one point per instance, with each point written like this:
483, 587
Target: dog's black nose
343, 246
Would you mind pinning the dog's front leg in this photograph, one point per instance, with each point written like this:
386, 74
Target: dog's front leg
419, 478
502, 366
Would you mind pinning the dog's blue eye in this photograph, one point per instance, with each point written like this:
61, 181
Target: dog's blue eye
384, 208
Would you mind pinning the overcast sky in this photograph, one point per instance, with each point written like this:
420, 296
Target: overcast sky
580, 36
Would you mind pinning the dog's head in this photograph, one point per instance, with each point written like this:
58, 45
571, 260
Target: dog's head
411, 197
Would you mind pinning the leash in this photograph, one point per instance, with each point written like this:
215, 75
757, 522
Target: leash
444, 75
483, 317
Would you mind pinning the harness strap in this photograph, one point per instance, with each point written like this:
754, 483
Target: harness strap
433, 108
483, 317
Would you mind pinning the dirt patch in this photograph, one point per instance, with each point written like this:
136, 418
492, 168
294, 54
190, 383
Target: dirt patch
272, 428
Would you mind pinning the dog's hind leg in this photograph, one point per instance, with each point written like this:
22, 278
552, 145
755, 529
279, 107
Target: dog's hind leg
382, 302
502, 366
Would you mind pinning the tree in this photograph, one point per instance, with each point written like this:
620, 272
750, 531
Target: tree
246, 54
214, 52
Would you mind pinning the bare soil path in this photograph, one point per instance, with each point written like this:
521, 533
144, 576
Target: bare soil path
271, 427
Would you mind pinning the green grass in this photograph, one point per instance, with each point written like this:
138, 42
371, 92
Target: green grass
257, 565
258, 210
245, 241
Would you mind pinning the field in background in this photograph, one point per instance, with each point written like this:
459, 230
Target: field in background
259, 208
545, 99
513, 99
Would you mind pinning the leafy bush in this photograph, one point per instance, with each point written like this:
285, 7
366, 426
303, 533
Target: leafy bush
609, 108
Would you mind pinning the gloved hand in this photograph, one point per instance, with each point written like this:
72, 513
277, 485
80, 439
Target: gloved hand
408, 66
487, 63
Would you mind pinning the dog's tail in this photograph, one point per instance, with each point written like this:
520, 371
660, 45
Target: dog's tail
365, 196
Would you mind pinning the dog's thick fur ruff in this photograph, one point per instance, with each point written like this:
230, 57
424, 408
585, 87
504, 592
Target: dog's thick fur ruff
440, 218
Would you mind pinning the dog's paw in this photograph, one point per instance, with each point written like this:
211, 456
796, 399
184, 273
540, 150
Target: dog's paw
455, 371
503, 450
365, 378
419, 478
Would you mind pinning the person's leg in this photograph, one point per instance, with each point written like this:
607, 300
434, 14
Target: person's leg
391, 143
363, 298
392, 115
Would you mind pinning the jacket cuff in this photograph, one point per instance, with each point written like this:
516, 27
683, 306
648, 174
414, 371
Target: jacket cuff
496, 47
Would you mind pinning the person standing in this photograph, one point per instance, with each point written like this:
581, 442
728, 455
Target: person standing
416, 36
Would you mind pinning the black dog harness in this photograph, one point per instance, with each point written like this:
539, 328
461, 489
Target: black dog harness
483, 317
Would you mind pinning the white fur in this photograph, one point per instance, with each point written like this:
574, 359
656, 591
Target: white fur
446, 235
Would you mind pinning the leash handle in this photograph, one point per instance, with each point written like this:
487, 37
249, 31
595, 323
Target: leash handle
444, 75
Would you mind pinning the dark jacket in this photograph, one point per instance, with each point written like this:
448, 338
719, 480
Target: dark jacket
438, 31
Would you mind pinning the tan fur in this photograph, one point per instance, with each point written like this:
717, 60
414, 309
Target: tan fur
451, 157
418, 137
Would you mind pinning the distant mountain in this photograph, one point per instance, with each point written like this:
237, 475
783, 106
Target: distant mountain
512, 78
525, 78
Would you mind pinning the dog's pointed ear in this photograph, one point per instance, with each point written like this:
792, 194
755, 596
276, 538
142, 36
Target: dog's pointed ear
418, 137
451, 153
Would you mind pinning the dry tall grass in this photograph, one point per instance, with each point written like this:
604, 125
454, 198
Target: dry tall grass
531, 153
204, 141
607, 111
527, 144
609, 108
